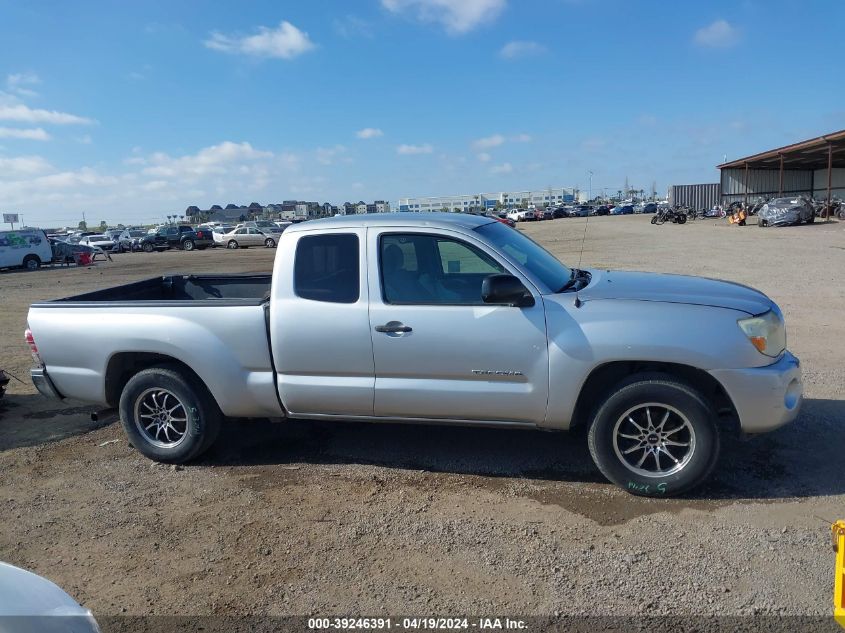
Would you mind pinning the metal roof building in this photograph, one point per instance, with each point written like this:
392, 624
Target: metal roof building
815, 168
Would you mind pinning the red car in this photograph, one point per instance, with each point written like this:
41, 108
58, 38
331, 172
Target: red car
507, 221
539, 214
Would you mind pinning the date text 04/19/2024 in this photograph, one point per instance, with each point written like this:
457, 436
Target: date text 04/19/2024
417, 623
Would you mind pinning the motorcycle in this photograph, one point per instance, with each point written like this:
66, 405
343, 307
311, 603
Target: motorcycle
676, 215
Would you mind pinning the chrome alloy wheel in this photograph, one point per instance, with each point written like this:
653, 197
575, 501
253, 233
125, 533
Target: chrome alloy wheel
653, 440
161, 418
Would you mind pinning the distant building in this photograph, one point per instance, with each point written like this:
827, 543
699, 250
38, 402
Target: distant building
482, 201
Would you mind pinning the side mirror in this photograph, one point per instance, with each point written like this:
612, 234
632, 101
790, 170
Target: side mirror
506, 289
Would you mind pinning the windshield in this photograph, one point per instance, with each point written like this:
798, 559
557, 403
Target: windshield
137, 233
533, 257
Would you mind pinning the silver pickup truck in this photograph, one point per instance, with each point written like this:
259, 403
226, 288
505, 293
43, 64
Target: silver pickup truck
432, 319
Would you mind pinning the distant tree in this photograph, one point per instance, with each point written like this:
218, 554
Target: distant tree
456, 210
103, 225
83, 226
444, 209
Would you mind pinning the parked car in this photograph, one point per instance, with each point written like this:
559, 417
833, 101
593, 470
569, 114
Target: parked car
218, 233
625, 209
786, 211
265, 226
26, 248
581, 212
601, 210
521, 215
539, 214
101, 241
548, 213
130, 240
31, 603
560, 212
650, 207
66, 252
176, 236
247, 236
390, 318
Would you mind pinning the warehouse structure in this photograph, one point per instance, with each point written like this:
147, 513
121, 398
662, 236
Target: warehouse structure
814, 168
700, 197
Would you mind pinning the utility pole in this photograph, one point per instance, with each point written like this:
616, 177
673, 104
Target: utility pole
591, 185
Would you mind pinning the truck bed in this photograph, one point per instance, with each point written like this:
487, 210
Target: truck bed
223, 289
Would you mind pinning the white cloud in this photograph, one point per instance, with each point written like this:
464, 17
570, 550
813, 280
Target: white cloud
329, 155
32, 134
488, 141
216, 159
352, 27
285, 42
504, 168
18, 82
357, 185
495, 140
519, 48
25, 114
457, 16
484, 157
369, 132
23, 165
719, 34
408, 150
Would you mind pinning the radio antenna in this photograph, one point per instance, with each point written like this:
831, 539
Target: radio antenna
580, 256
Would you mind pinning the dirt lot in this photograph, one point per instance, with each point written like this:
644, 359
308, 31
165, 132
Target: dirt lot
301, 518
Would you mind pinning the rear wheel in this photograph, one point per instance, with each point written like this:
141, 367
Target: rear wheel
169, 416
681, 218
270, 242
32, 262
188, 245
654, 436
232, 244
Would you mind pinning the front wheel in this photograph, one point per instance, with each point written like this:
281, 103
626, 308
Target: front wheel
654, 220
681, 219
168, 416
654, 436
270, 242
147, 247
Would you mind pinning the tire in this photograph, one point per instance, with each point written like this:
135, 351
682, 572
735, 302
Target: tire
188, 245
232, 244
682, 219
654, 220
763, 223
693, 423
812, 219
147, 247
270, 242
32, 262
193, 419
840, 215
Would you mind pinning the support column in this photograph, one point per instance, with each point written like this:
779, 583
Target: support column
780, 180
829, 178
746, 186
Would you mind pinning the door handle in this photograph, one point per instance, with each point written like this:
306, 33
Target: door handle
392, 327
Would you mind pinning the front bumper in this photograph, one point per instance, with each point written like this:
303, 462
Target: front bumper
43, 383
765, 398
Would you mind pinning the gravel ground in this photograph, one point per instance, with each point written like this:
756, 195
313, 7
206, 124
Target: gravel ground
307, 518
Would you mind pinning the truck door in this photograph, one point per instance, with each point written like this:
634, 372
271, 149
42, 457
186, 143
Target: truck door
439, 350
319, 327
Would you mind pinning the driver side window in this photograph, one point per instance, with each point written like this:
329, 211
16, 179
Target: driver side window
430, 270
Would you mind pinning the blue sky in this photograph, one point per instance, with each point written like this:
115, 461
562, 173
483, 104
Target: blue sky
130, 111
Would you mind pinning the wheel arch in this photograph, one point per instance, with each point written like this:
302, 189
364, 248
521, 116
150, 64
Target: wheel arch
123, 365
607, 376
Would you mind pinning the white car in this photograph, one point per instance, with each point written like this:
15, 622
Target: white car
218, 232
99, 241
521, 215
245, 237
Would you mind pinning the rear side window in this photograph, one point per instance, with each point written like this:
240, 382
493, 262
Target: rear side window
326, 268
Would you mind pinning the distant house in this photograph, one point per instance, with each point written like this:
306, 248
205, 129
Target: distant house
361, 207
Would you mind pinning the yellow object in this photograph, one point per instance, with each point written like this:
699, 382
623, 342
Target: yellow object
838, 533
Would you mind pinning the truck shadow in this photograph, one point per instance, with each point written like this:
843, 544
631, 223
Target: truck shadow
32, 420
803, 459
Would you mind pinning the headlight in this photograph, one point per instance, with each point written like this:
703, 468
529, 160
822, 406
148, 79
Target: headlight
766, 332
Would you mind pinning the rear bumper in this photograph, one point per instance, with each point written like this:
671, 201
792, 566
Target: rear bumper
765, 398
43, 383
